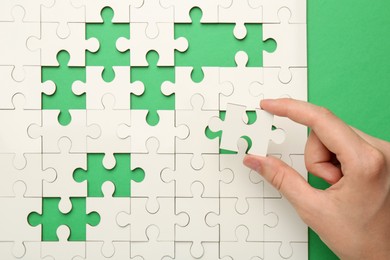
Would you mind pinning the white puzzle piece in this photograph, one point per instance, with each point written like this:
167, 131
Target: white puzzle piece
95, 87
31, 87
93, 9
197, 121
153, 13
62, 249
290, 227
153, 248
13, 221
13, 50
49, 44
15, 124
229, 219
63, 13
241, 248
64, 186
184, 175
291, 48
182, 9
94, 251
197, 231
245, 183
140, 131
31, 175
183, 251
51, 131
233, 128
140, 44
108, 120
32, 9
184, 88
32, 250
153, 175
140, 219
240, 12
245, 81
108, 230
271, 9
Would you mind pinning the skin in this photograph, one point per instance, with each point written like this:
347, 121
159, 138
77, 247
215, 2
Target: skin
352, 216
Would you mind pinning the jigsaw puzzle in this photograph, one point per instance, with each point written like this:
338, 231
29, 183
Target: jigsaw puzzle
123, 126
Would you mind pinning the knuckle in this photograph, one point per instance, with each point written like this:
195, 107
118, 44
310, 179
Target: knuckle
374, 161
324, 112
278, 178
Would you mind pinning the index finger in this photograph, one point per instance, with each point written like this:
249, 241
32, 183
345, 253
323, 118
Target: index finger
337, 136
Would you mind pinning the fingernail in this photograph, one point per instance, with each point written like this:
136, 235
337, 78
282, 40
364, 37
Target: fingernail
253, 163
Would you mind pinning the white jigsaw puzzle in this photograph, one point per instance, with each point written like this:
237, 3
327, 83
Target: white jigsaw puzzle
196, 199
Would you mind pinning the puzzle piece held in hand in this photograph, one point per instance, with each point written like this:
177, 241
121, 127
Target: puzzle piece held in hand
234, 127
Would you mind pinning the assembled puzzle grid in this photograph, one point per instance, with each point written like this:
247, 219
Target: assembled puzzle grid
117, 118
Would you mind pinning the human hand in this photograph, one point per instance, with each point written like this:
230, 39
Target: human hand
353, 215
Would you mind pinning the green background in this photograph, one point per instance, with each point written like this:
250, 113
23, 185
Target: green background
349, 70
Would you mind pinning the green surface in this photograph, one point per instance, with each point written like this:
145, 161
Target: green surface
63, 98
121, 175
349, 72
51, 218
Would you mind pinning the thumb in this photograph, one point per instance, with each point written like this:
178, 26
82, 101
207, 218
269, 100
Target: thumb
285, 179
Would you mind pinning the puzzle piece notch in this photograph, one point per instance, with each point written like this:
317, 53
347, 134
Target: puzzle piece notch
245, 183
17, 122
153, 175
13, 51
51, 131
96, 88
140, 44
291, 51
140, 131
197, 231
108, 230
241, 248
121, 9
184, 88
182, 9
165, 218
30, 86
32, 175
240, 12
50, 44
196, 120
245, 81
13, 221
62, 249
233, 128
62, 12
